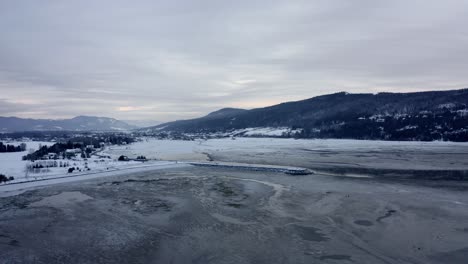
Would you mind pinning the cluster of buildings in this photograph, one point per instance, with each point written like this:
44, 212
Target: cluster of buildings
69, 153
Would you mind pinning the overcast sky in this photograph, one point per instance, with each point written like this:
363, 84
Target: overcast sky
166, 60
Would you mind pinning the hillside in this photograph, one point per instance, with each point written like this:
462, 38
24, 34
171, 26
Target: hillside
434, 115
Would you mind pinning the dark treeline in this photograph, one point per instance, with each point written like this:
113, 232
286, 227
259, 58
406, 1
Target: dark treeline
442, 125
12, 148
40, 135
4, 178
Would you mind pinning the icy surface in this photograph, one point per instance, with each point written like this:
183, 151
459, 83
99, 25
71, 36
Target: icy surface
356, 158
158, 149
316, 153
171, 212
61, 200
212, 215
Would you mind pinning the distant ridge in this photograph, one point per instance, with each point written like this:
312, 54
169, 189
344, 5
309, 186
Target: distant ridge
431, 115
79, 123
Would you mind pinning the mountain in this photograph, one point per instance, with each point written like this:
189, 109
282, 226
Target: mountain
225, 112
432, 115
142, 123
213, 122
79, 123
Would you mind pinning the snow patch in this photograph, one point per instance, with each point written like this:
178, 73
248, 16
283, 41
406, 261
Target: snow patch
408, 127
447, 105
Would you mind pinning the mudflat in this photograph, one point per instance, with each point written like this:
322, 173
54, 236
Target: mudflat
217, 215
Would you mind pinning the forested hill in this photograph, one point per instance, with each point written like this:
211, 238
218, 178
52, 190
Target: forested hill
432, 115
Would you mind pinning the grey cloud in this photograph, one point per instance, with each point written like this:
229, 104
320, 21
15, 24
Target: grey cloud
178, 59
9, 108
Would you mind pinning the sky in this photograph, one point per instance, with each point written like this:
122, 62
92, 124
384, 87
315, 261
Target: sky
168, 60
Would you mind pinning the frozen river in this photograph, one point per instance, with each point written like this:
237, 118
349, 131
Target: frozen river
343, 157
190, 214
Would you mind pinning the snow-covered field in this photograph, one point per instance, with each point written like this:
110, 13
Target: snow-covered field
21, 185
11, 164
93, 164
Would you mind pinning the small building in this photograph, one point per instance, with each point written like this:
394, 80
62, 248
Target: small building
70, 153
74, 151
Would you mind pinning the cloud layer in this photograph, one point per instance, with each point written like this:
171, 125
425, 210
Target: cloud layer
168, 60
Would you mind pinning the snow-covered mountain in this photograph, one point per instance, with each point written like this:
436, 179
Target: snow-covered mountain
79, 123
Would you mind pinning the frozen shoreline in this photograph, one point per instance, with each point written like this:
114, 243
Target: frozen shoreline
255, 167
8, 189
327, 157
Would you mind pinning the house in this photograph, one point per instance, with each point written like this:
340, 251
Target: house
70, 153
75, 151
49, 156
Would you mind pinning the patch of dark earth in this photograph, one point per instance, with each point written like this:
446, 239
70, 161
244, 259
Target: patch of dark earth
213, 215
